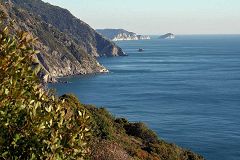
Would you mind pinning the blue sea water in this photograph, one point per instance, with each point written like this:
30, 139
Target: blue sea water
186, 89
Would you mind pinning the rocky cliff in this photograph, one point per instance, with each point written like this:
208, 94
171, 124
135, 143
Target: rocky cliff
67, 45
120, 35
143, 37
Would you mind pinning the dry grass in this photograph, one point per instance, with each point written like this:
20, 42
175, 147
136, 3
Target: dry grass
108, 150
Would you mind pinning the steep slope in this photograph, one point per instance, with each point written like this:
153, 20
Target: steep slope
119, 139
92, 42
59, 54
67, 45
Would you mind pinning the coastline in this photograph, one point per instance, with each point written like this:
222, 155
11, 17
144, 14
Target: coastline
58, 78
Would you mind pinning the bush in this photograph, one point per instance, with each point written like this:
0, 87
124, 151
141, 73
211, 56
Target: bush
33, 123
121, 121
140, 130
103, 122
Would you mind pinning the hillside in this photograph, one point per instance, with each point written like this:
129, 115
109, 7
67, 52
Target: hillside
67, 45
37, 124
118, 139
63, 20
120, 34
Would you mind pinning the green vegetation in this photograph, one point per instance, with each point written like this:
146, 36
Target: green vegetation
35, 124
80, 32
117, 138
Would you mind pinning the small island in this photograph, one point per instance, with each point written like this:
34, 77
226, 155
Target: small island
140, 50
167, 36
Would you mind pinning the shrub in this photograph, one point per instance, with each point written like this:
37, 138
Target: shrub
103, 122
121, 121
140, 130
33, 123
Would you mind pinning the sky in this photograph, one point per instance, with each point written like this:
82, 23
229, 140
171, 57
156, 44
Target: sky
153, 17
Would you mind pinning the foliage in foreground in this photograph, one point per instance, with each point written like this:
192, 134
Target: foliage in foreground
37, 125
119, 139
33, 123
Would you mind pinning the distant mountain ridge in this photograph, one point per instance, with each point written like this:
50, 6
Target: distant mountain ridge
120, 34
67, 45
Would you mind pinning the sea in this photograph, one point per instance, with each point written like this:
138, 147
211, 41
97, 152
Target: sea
186, 89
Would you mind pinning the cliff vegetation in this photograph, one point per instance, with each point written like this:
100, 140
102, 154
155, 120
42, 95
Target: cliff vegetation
36, 124
67, 45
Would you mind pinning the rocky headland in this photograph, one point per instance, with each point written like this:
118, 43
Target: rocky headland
67, 45
121, 35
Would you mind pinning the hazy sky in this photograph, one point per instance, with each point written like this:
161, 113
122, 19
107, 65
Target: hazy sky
159, 16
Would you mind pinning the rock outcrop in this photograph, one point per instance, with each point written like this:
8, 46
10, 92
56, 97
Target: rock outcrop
67, 45
143, 37
120, 35
167, 36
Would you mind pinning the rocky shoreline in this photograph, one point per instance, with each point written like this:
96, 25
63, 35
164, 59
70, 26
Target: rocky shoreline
67, 45
49, 79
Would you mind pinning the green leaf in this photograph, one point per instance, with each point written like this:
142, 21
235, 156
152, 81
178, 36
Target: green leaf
33, 156
5, 153
17, 137
6, 91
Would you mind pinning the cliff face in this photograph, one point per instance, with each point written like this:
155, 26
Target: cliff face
64, 21
142, 37
67, 45
120, 35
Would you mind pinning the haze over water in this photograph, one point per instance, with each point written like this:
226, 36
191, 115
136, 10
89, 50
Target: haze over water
186, 89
